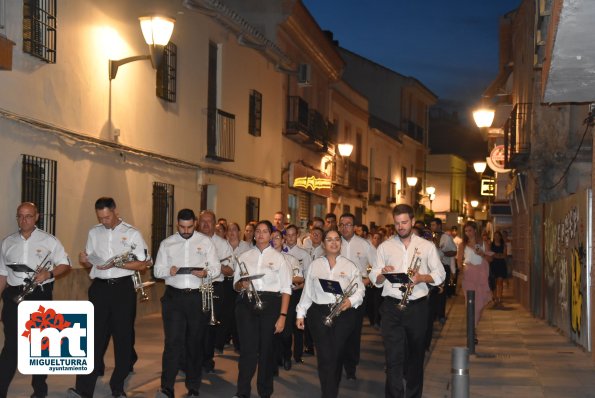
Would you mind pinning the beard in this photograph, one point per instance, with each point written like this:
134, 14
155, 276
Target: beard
405, 235
187, 235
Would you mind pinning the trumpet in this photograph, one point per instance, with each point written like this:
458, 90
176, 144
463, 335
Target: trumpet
339, 299
206, 290
139, 286
407, 288
120, 260
251, 292
30, 283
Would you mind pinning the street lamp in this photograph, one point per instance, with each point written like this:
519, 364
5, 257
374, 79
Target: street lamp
484, 116
474, 203
345, 150
412, 182
480, 167
431, 194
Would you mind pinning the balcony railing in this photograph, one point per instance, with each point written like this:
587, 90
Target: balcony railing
358, 177
414, 130
221, 130
307, 126
517, 133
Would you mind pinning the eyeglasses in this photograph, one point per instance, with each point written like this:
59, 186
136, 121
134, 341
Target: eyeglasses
25, 216
329, 240
345, 225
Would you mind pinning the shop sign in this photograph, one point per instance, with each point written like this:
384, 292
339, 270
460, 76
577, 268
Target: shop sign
496, 160
310, 180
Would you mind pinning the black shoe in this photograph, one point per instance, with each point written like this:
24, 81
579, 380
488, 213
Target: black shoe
287, 364
309, 351
192, 394
351, 376
73, 393
299, 360
35, 395
276, 372
165, 392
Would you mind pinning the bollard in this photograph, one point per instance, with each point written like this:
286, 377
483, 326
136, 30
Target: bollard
471, 321
460, 372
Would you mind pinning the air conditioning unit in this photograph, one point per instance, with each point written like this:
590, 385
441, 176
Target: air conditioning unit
304, 75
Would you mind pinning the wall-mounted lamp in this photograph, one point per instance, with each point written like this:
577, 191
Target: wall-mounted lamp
157, 32
345, 149
474, 203
412, 181
430, 190
479, 167
484, 116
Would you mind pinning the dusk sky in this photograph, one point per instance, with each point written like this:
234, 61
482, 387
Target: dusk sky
450, 46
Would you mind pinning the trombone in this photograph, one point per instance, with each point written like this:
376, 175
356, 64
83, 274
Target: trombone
251, 292
339, 299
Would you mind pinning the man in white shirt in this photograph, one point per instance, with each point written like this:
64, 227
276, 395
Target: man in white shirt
184, 260
447, 251
316, 222
363, 254
206, 225
35, 249
404, 330
112, 292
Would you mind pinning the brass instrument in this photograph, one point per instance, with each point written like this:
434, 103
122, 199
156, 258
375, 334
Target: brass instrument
139, 286
251, 292
339, 299
206, 290
407, 288
30, 283
120, 260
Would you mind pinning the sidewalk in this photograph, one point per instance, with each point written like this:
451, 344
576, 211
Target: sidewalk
518, 356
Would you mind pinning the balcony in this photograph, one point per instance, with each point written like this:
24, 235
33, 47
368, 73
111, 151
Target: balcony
221, 128
517, 134
307, 126
413, 130
350, 174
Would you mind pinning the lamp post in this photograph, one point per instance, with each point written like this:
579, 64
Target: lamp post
431, 193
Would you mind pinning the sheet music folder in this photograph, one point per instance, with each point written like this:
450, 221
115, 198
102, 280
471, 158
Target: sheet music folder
188, 270
17, 267
400, 277
250, 277
331, 286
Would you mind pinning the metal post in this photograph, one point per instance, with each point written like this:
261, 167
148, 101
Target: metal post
471, 321
460, 372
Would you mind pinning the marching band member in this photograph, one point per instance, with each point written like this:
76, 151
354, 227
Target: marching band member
315, 303
42, 253
206, 225
184, 324
256, 327
228, 327
291, 332
363, 254
404, 330
112, 294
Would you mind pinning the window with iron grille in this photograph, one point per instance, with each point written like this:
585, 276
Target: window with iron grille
167, 72
252, 209
38, 179
403, 181
255, 116
2, 15
39, 29
163, 215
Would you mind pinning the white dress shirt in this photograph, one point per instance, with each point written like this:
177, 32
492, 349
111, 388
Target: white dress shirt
393, 252
224, 252
196, 251
446, 244
31, 252
242, 247
344, 272
302, 256
271, 263
104, 243
360, 251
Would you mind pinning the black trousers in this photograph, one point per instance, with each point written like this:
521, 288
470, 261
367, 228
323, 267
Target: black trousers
373, 299
330, 343
8, 357
352, 351
441, 305
184, 326
210, 336
256, 331
227, 329
115, 302
403, 333
287, 336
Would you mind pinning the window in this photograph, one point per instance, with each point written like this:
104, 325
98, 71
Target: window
39, 186
167, 72
2, 15
255, 113
293, 208
163, 215
39, 29
403, 182
252, 209
392, 192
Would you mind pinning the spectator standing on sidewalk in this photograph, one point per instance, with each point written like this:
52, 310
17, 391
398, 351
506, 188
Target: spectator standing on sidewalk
498, 267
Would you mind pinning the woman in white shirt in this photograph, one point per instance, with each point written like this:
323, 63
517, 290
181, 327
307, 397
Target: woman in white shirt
315, 303
256, 328
475, 257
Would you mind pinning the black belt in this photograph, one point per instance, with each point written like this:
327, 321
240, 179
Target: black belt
114, 281
229, 278
21, 287
410, 302
182, 291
